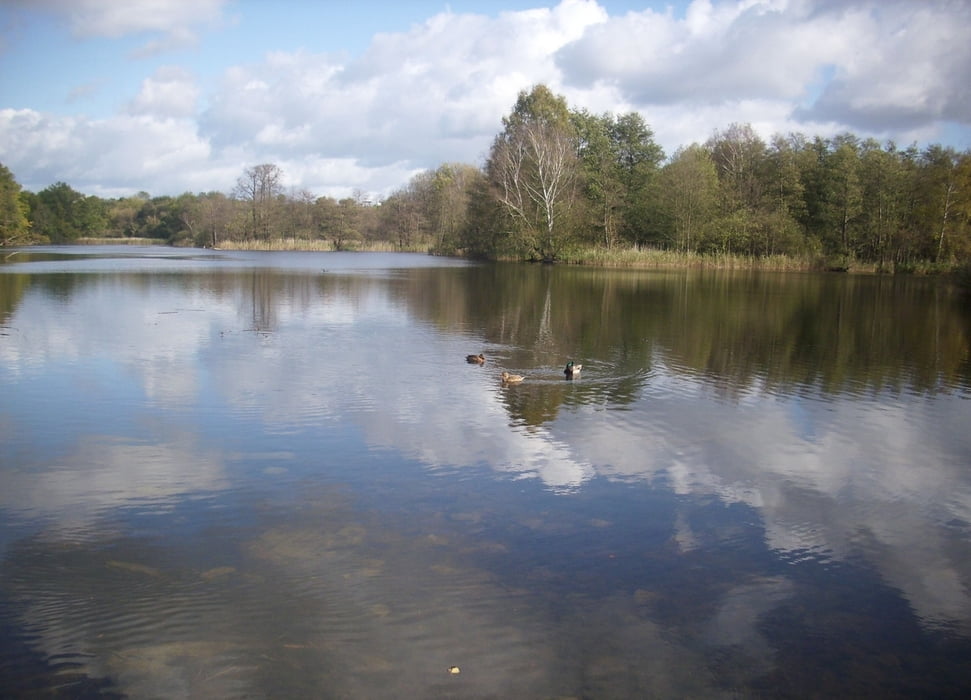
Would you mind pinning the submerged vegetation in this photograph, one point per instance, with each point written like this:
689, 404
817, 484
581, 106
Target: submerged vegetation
565, 185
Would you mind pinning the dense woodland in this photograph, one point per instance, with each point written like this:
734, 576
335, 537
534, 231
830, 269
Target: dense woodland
559, 180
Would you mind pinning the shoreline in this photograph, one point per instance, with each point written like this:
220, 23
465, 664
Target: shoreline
616, 258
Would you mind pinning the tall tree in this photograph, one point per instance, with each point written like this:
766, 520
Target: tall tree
602, 182
962, 237
484, 233
14, 227
739, 155
533, 163
941, 196
123, 215
216, 212
327, 216
63, 214
886, 181
845, 194
741, 159
619, 159
640, 158
451, 188
688, 191
259, 186
785, 192
834, 195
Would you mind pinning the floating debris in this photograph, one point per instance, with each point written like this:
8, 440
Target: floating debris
219, 571
133, 568
454, 670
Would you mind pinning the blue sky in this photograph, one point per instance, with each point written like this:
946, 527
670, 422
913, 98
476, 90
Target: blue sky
167, 96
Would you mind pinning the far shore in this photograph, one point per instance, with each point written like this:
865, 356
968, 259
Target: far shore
617, 257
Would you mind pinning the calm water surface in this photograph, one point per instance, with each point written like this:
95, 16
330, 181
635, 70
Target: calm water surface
275, 475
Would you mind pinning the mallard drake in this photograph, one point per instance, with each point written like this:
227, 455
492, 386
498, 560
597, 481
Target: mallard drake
511, 378
475, 359
572, 369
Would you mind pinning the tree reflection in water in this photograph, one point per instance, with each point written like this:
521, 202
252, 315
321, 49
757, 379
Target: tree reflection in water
757, 486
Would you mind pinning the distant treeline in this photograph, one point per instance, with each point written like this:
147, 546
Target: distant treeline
558, 180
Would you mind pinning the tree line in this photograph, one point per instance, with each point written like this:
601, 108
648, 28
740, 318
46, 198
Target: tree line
558, 180
258, 208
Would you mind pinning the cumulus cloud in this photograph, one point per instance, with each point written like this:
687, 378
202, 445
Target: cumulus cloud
436, 92
898, 64
909, 64
708, 56
110, 157
171, 92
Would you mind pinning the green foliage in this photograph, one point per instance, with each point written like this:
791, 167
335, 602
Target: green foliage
619, 161
538, 106
14, 226
559, 183
62, 215
485, 234
534, 168
941, 199
687, 198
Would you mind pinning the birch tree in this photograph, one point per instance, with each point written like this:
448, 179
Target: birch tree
533, 165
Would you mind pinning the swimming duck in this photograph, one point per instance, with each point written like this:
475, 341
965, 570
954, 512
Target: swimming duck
475, 359
572, 369
511, 378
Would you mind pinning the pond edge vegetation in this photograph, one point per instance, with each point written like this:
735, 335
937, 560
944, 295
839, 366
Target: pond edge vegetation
562, 185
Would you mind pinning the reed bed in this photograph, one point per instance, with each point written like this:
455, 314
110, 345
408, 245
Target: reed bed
317, 245
91, 240
616, 257
278, 244
657, 259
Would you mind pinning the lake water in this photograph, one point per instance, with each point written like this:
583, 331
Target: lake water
275, 475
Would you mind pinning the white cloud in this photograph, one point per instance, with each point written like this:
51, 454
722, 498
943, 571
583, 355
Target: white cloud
736, 52
899, 64
909, 65
109, 157
437, 92
110, 18
171, 92
177, 38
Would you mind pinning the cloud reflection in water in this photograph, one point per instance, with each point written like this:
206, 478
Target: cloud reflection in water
200, 386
